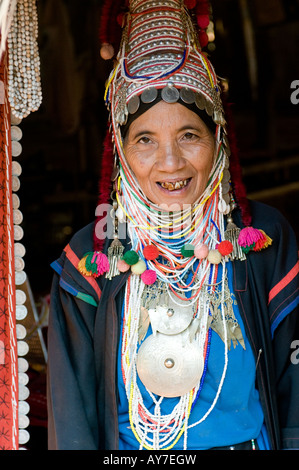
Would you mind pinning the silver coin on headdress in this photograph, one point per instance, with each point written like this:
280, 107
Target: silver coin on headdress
133, 104
187, 95
200, 101
149, 95
170, 94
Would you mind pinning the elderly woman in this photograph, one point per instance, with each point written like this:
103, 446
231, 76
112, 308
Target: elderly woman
173, 316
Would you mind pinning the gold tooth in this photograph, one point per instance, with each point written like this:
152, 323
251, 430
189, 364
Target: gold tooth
172, 186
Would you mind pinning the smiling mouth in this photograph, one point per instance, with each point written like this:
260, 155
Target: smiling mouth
174, 185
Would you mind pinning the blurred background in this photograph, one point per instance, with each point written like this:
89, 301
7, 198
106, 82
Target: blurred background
253, 45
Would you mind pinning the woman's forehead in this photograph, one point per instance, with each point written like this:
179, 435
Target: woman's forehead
162, 116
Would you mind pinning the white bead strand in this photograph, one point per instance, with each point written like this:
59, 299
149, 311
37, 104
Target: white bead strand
20, 278
24, 82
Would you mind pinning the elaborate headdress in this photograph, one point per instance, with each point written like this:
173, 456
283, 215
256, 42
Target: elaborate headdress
160, 56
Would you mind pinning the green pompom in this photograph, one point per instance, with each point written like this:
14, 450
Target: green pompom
187, 250
131, 257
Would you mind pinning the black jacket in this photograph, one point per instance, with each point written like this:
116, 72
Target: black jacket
84, 329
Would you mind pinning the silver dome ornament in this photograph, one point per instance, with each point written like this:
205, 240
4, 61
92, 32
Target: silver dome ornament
169, 366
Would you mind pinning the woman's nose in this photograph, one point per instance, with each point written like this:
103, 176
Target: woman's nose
169, 157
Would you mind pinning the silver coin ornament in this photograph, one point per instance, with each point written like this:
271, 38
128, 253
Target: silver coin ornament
169, 361
170, 94
169, 319
168, 366
149, 95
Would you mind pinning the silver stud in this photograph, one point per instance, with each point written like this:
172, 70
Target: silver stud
169, 363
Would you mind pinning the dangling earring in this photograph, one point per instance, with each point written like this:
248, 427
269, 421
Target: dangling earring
116, 249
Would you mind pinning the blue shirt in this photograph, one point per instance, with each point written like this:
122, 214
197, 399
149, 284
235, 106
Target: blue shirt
237, 416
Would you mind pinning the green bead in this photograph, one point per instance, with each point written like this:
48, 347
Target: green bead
131, 257
187, 250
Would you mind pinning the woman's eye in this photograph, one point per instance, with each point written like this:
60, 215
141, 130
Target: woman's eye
144, 140
190, 136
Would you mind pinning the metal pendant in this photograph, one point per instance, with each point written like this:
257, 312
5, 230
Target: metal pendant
200, 101
133, 104
149, 95
169, 366
170, 319
187, 95
170, 94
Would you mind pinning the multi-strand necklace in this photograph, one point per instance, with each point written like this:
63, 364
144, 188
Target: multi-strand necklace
172, 235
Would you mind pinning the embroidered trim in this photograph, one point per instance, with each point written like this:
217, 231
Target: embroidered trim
284, 282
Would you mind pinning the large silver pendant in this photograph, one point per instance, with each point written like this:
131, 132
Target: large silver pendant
169, 366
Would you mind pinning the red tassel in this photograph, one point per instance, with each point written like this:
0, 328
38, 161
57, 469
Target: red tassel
109, 29
105, 184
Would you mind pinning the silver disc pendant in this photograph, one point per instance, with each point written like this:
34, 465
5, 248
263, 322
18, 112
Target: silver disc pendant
133, 104
170, 94
169, 367
170, 319
149, 95
200, 101
187, 95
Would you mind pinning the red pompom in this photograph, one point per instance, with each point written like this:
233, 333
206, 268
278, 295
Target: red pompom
149, 277
190, 4
225, 247
203, 38
150, 252
203, 21
203, 7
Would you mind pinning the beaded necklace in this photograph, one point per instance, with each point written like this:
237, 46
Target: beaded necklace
152, 429
147, 223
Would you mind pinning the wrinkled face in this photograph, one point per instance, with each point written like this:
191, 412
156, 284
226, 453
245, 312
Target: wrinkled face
170, 150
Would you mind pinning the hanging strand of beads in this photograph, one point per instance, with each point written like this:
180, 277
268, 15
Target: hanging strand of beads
19, 21
20, 279
24, 83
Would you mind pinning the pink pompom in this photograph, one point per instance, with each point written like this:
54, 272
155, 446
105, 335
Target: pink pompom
248, 236
201, 251
102, 263
122, 266
149, 277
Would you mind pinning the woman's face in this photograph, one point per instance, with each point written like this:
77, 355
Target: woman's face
170, 150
